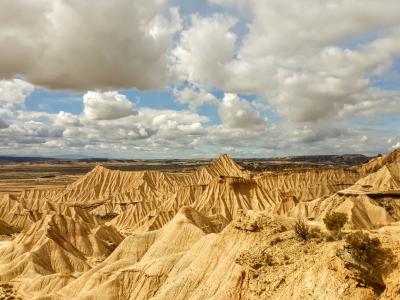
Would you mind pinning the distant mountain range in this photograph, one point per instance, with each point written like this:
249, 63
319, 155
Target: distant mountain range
23, 158
350, 159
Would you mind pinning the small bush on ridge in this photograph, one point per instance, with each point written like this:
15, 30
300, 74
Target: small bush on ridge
335, 221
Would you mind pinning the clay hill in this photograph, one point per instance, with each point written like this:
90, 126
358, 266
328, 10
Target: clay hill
220, 232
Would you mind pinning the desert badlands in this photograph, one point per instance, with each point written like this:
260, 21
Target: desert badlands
199, 149
220, 232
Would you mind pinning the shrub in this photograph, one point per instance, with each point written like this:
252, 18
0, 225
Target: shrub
335, 221
362, 247
301, 229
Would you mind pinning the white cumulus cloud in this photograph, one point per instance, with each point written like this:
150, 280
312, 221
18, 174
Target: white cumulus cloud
194, 97
14, 92
238, 113
204, 49
80, 45
106, 105
65, 119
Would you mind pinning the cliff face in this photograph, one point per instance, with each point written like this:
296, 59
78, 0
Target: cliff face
220, 232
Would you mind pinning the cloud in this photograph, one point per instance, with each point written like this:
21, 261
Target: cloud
281, 27
150, 131
296, 57
283, 35
314, 132
106, 105
3, 124
75, 45
14, 92
238, 113
336, 83
194, 97
65, 119
310, 97
170, 133
314, 68
204, 49
25, 130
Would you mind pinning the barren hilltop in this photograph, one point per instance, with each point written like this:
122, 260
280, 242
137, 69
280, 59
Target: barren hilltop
220, 231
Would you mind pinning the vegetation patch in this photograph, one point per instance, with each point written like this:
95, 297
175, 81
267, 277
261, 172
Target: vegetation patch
301, 229
335, 221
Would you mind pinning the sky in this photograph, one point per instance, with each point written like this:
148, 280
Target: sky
144, 79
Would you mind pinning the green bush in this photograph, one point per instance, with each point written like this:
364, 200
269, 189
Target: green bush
335, 221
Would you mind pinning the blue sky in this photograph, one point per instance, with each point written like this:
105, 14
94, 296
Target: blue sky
201, 78
54, 101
